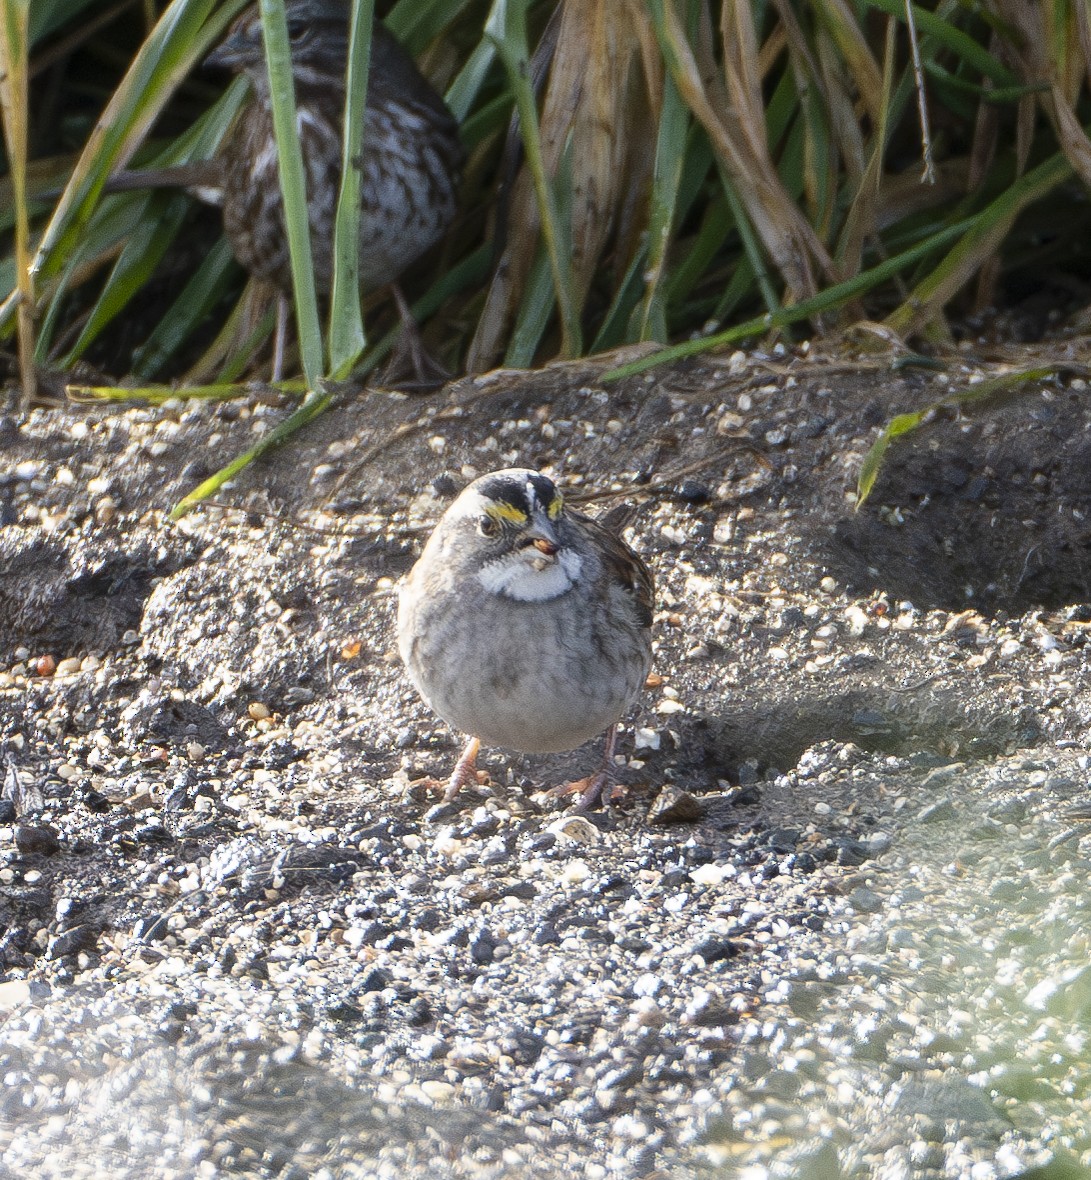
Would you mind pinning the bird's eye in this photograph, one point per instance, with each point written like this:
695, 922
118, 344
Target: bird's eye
297, 30
488, 527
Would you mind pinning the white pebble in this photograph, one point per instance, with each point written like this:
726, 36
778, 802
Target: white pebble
575, 872
646, 739
710, 874
857, 621
574, 828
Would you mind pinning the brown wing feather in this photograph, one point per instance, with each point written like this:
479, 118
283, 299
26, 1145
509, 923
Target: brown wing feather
623, 565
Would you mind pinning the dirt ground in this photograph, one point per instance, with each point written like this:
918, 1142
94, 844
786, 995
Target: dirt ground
224, 690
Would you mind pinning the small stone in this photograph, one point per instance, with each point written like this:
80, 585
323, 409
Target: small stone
92, 799
647, 985
574, 828
70, 942
851, 852
258, 711
105, 510
934, 813
674, 806
576, 872
707, 1009
69, 666
712, 875
646, 739
483, 948
714, 948
692, 491
865, 901
857, 621
36, 839
152, 928
13, 993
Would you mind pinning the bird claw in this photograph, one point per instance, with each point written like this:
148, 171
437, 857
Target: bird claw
412, 369
451, 788
595, 788
420, 789
465, 771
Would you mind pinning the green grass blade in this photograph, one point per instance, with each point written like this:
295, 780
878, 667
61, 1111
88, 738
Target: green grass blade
181, 38
507, 29
416, 22
315, 402
470, 80
873, 460
14, 78
740, 287
984, 235
115, 221
157, 395
142, 252
752, 250
115, 217
670, 155
539, 300
996, 95
833, 297
902, 424
278, 60
46, 18
198, 297
625, 307
347, 339
951, 38
232, 350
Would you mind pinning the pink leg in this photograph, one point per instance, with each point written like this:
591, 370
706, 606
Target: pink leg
597, 787
465, 770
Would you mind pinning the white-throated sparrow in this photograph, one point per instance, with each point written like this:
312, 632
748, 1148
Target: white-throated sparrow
524, 624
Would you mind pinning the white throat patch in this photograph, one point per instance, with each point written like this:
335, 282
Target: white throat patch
514, 576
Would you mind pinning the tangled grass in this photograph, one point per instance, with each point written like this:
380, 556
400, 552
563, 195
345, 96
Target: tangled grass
688, 170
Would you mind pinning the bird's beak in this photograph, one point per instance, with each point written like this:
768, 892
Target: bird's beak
544, 544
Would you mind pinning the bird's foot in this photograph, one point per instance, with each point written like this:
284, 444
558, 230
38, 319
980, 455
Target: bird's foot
411, 368
595, 788
465, 771
426, 789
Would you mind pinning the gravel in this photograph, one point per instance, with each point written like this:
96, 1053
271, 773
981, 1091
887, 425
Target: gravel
835, 927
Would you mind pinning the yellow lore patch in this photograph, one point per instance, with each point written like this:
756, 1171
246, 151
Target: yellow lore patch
506, 513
